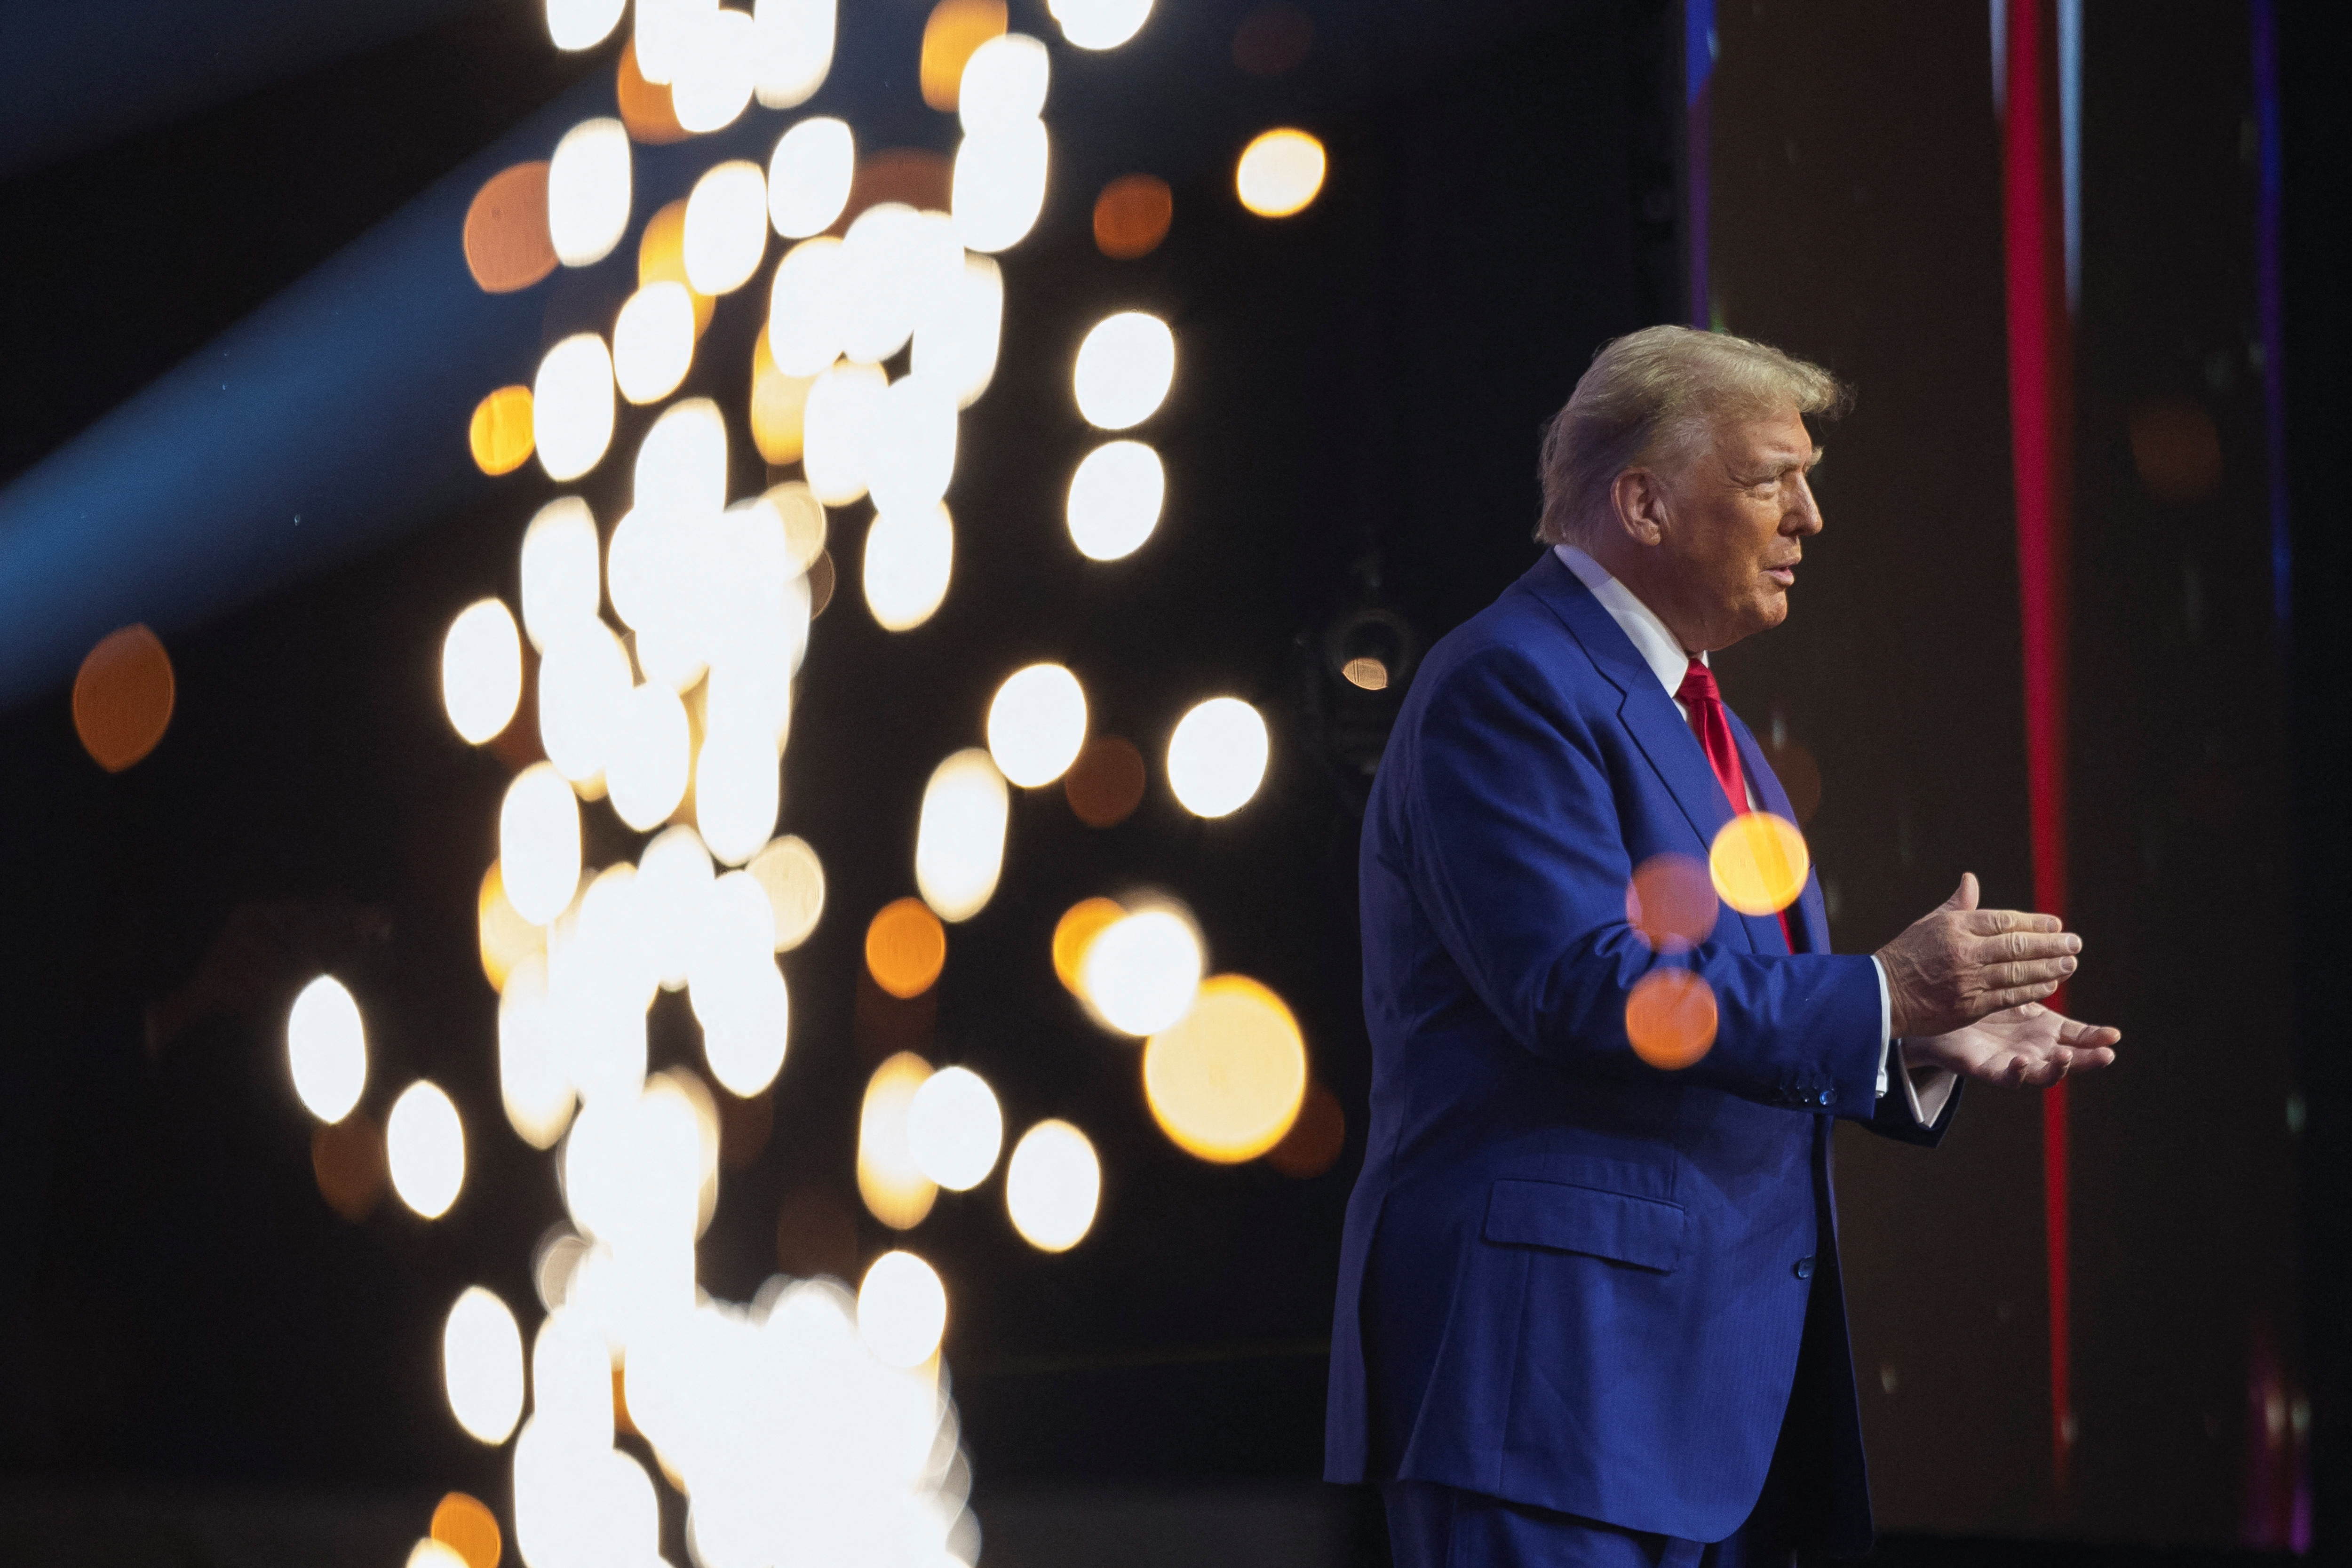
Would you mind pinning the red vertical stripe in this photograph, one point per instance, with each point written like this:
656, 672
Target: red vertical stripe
2040, 395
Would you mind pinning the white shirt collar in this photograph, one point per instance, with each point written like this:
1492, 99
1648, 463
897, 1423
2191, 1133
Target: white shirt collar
1658, 647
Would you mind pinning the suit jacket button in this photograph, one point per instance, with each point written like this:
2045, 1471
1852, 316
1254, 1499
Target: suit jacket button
1803, 1268
1828, 1095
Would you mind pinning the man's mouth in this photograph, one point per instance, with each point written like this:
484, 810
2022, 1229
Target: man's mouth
1784, 575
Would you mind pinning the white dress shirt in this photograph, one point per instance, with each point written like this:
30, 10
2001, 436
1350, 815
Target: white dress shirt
1927, 1089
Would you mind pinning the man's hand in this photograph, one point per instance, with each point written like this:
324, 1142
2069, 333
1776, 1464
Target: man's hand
1959, 964
2028, 1044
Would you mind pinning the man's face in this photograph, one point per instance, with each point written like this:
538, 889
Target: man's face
1738, 516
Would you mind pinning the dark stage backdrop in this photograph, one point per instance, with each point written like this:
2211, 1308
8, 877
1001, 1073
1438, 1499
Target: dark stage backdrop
1857, 221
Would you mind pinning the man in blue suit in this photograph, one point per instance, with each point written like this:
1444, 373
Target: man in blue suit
1589, 1308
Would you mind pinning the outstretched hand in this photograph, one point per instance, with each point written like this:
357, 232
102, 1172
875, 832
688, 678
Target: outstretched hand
1957, 963
2028, 1044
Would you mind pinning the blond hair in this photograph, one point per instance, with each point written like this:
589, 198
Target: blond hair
1650, 398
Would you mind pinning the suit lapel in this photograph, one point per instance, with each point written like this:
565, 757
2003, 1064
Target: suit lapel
1811, 924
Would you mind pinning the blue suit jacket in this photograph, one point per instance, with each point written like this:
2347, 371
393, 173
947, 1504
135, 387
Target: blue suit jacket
1569, 1278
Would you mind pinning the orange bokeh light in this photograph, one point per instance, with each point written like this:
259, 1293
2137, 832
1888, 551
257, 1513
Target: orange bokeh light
1227, 1081
1314, 1143
508, 246
1759, 863
1671, 901
123, 698
918, 177
1132, 215
466, 1526
955, 28
779, 407
647, 107
1079, 925
1670, 1018
1105, 783
661, 258
506, 937
905, 948
500, 433
348, 1159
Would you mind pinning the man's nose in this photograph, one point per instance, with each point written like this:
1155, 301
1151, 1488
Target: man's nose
1804, 515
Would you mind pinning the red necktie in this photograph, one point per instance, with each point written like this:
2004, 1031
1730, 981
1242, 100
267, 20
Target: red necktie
1711, 725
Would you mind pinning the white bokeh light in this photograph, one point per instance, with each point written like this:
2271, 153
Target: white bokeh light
1217, 757
809, 176
960, 839
1052, 1186
902, 1310
425, 1143
1115, 499
1099, 23
792, 49
539, 843
571, 406
1005, 84
653, 341
999, 184
588, 191
652, 757
573, 25
954, 1129
482, 1365
714, 70
1141, 974
909, 559
1124, 369
1036, 724
726, 227
326, 1046
481, 670
563, 569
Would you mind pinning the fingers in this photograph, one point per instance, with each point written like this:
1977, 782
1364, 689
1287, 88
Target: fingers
2016, 996
1964, 897
1992, 922
2019, 945
2010, 976
2082, 1036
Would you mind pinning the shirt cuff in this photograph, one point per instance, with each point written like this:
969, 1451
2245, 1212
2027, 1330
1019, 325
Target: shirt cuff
1885, 1021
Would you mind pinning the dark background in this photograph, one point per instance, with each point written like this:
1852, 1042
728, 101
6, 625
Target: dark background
1355, 417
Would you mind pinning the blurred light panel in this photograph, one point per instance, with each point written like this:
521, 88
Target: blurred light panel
505, 937
1670, 1018
539, 843
1217, 757
1142, 973
534, 1088
426, 1145
902, 1310
959, 840
905, 947
674, 882
651, 755
123, 698
563, 569
910, 558
843, 406
1226, 1081
913, 448
574, 25
1075, 932
789, 872
726, 227
954, 30
809, 176
1759, 863
1132, 215
661, 258
955, 341
715, 71
1036, 724
954, 1129
464, 1525
583, 679
653, 341
589, 191
794, 49
505, 239
1115, 499
482, 1365
1124, 369
1000, 184
895, 1189
500, 434
736, 793
481, 670
1051, 1185
1280, 173
327, 1048
1099, 23
571, 406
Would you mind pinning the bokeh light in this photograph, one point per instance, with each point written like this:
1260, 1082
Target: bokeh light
505, 937
794, 49
955, 28
779, 408
507, 241
327, 1049
1000, 183
574, 25
674, 880
905, 947
726, 227
481, 670
583, 679
1759, 863
563, 569
571, 406
425, 1143
1217, 756
534, 1087
661, 258
745, 1038
1670, 1018
646, 107
954, 1129
651, 755
913, 445
805, 303
1106, 785
897, 265
539, 843
1003, 84
736, 793
957, 337
1316, 1141
714, 70
572, 1374
902, 1310
1037, 724
960, 838
1115, 499
123, 698
1099, 23
843, 406
1132, 215
1052, 1186
1124, 369
1226, 1081
1280, 173
895, 1189
909, 560
1142, 973
809, 176
1075, 932
664, 34
464, 1524
653, 341
789, 872
1670, 900
481, 1366
499, 433
589, 191
347, 1159
430, 1553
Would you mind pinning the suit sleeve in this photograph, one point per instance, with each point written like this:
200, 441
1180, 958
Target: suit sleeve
1511, 826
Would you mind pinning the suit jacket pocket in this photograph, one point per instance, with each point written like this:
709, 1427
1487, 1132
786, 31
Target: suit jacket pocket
1643, 1232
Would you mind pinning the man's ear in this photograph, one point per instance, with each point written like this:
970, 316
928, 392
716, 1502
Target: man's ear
1639, 500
